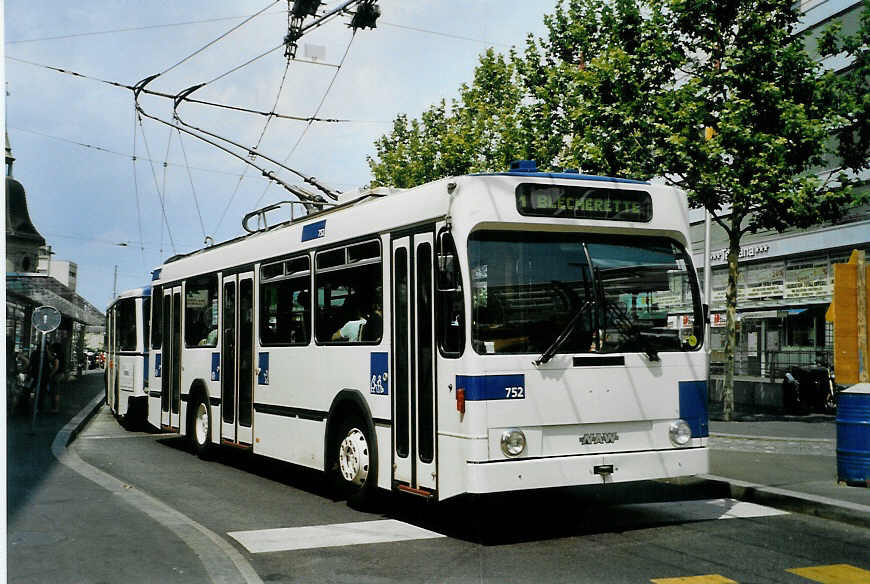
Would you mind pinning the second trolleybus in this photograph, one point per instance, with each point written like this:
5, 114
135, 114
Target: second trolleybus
477, 334
126, 374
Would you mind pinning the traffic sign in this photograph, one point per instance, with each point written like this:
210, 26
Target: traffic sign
46, 318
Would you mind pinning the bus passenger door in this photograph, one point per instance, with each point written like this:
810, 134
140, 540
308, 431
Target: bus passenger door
414, 435
110, 365
237, 360
170, 383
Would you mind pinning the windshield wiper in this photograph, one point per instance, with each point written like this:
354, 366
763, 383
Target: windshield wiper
630, 330
567, 329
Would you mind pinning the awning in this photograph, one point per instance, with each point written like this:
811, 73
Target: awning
42, 290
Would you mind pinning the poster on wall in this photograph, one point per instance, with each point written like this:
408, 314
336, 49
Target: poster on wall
809, 280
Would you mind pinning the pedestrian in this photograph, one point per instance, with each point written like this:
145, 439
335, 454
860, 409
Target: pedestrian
56, 372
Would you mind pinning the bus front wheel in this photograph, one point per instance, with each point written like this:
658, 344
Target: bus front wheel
355, 463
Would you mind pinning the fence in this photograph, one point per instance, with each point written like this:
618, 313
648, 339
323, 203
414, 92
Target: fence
770, 364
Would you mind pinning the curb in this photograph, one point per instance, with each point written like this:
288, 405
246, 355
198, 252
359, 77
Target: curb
772, 438
797, 502
71, 429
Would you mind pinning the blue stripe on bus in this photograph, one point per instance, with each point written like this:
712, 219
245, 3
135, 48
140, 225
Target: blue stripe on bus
693, 406
215, 366
566, 175
314, 230
490, 387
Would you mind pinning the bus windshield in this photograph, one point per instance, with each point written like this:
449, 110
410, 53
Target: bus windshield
550, 293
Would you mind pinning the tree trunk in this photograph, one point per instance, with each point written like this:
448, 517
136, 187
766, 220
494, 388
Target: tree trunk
731, 323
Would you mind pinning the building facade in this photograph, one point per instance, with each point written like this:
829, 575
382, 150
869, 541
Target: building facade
26, 289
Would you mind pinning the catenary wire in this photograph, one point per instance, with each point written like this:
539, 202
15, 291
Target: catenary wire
136, 191
192, 187
163, 188
207, 45
223, 18
199, 101
157, 187
259, 141
131, 29
317, 111
115, 153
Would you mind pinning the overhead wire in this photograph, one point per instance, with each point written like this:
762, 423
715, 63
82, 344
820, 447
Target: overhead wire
164, 191
129, 29
135, 157
259, 141
157, 188
223, 18
136, 191
199, 101
224, 35
192, 187
316, 112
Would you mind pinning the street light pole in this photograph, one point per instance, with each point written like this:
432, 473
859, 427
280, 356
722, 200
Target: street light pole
115, 284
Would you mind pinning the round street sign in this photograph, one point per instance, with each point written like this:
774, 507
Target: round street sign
46, 318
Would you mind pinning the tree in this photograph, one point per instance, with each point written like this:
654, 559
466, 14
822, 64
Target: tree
721, 98
480, 131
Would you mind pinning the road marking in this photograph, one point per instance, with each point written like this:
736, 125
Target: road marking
706, 509
321, 536
834, 574
706, 579
223, 562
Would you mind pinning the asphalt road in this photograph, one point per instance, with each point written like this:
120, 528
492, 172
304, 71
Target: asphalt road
273, 522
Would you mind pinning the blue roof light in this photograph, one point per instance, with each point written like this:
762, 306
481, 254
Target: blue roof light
524, 166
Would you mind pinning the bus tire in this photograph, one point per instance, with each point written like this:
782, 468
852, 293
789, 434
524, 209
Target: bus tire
354, 467
200, 428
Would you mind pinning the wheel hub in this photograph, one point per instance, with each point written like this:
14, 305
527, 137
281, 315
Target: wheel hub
353, 457
201, 424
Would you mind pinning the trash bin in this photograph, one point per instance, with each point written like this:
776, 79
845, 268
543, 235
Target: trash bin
853, 435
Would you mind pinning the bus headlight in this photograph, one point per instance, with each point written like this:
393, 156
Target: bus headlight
680, 432
513, 442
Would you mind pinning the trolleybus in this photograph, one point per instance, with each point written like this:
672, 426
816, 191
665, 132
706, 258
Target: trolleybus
127, 321
477, 334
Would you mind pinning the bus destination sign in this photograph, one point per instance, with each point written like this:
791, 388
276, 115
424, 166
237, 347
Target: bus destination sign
576, 202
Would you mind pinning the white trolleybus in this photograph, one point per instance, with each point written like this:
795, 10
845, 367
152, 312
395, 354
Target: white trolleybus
477, 334
127, 319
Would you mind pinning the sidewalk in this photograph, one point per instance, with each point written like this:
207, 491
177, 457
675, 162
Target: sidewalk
788, 462
59, 522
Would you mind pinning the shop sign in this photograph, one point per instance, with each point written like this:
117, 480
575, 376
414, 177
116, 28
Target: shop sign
758, 314
749, 251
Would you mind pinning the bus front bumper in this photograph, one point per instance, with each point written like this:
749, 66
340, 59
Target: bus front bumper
585, 469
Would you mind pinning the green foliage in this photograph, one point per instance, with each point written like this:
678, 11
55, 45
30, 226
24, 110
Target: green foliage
480, 131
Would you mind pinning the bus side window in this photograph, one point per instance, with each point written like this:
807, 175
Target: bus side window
285, 303
450, 305
348, 285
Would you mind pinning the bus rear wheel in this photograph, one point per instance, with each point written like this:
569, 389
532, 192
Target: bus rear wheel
200, 430
355, 463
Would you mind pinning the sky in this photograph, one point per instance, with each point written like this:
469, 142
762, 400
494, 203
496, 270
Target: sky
74, 138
